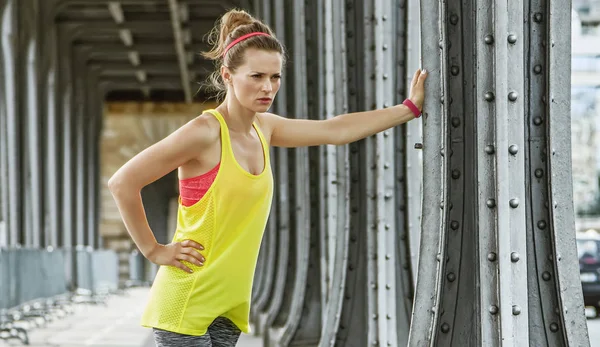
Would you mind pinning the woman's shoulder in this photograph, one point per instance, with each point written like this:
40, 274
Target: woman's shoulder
203, 130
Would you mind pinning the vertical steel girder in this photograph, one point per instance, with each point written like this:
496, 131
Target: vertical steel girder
498, 263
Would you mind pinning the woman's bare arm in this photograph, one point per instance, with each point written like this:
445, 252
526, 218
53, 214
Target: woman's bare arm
156, 161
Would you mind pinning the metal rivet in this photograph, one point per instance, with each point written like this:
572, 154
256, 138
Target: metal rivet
438, 257
514, 203
375, 316
512, 38
454, 70
492, 256
454, 225
541, 224
489, 96
539, 173
489, 149
384, 17
546, 276
554, 327
451, 277
455, 174
418, 145
516, 310
513, 149
514, 257
537, 120
385, 76
537, 69
491, 203
489, 39
512, 96
455, 122
385, 47
454, 19
537, 17
445, 328
493, 309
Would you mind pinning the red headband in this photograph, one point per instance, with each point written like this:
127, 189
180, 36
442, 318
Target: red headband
241, 38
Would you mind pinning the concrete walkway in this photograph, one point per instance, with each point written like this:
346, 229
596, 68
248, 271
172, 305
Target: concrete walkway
113, 325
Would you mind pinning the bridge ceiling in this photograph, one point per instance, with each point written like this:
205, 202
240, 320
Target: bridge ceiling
142, 49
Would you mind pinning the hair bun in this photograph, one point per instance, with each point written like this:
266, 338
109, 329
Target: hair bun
221, 33
234, 19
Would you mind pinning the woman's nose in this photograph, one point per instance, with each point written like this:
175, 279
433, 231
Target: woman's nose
267, 87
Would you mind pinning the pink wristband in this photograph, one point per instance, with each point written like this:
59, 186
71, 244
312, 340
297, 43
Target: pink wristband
408, 103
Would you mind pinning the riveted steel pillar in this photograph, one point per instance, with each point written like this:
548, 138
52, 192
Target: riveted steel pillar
34, 120
564, 282
412, 137
335, 262
13, 124
53, 153
82, 122
407, 166
92, 134
303, 322
4, 196
497, 262
65, 109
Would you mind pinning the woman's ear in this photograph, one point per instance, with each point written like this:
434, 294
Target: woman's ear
226, 75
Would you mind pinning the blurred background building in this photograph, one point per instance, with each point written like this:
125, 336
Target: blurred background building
585, 106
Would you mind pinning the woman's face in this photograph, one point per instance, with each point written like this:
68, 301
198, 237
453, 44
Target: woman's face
257, 81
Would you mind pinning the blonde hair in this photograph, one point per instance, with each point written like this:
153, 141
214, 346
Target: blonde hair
232, 25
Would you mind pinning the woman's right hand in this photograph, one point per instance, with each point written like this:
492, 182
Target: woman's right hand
173, 253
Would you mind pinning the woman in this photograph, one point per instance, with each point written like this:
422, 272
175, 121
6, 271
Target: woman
201, 293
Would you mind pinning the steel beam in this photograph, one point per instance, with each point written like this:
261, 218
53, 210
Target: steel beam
181, 51
13, 125
492, 274
336, 264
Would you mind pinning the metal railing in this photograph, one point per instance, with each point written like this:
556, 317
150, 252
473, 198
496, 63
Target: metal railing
35, 286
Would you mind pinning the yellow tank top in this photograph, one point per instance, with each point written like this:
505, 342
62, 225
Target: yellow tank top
229, 221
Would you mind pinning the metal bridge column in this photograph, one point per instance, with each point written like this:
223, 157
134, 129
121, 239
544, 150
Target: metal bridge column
497, 264
13, 125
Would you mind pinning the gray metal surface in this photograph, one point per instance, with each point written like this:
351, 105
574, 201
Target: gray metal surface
494, 283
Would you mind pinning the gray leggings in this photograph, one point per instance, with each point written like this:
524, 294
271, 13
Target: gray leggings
221, 333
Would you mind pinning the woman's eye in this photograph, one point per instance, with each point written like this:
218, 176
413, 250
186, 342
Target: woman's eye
256, 76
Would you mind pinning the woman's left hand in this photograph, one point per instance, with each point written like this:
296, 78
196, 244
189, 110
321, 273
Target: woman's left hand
417, 88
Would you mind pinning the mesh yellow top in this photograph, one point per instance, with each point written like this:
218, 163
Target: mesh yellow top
229, 221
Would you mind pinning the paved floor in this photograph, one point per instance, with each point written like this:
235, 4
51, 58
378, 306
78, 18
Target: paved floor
113, 325
117, 325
